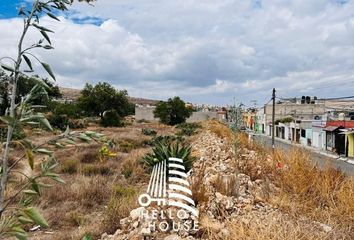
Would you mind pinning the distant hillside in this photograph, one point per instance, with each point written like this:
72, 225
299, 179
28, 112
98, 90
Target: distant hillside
71, 94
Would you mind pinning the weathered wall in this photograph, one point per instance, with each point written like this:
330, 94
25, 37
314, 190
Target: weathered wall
202, 116
145, 113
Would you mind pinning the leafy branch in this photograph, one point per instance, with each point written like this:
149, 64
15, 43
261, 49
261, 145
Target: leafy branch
22, 113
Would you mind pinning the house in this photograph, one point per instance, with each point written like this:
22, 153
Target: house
222, 115
349, 142
249, 118
293, 119
319, 135
336, 138
259, 121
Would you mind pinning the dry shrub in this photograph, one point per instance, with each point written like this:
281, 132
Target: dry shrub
323, 194
199, 188
127, 145
276, 228
245, 142
96, 169
122, 201
132, 169
220, 129
256, 227
86, 191
76, 218
89, 154
227, 185
258, 167
69, 166
254, 159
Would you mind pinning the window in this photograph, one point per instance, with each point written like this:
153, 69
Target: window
303, 133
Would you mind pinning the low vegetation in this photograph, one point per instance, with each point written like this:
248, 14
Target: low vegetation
122, 200
148, 132
162, 151
321, 194
187, 129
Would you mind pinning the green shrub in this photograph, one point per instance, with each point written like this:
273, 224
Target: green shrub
122, 201
163, 151
143, 121
69, 166
148, 132
62, 121
187, 129
71, 110
127, 171
111, 119
95, 169
126, 146
167, 139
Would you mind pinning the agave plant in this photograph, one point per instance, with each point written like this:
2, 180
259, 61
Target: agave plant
162, 151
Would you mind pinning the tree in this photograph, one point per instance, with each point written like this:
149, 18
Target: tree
172, 112
25, 84
15, 206
95, 100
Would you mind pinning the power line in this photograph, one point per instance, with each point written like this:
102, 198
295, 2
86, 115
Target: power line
336, 98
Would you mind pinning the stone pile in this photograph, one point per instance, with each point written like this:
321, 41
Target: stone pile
230, 195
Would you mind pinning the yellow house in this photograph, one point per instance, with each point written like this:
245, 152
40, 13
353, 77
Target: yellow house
350, 139
349, 143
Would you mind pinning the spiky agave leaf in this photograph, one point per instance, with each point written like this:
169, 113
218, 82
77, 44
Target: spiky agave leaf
162, 151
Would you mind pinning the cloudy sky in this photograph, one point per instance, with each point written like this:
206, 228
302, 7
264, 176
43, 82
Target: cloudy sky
206, 51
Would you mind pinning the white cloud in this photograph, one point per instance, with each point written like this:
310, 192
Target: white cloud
203, 50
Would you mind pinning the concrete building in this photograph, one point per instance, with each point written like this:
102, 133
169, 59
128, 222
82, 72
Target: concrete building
297, 111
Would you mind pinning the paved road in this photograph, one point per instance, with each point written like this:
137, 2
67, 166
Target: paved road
317, 158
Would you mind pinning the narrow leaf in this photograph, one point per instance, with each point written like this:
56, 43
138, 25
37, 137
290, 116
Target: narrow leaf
59, 180
53, 16
47, 47
41, 28
25, 220
30, 158
34, 214
30, 192
45, 35
44, 151
48, 69
46, 123
6, 67
28, 61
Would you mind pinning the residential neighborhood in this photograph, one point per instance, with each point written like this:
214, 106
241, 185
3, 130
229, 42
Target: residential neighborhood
324, 125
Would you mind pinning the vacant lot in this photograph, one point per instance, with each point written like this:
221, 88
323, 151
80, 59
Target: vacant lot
98, 191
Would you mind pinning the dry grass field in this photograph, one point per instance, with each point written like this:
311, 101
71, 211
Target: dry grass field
97, 193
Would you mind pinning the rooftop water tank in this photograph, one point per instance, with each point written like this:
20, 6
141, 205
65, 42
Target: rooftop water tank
341, 116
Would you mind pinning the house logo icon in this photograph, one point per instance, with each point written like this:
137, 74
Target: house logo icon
168, 186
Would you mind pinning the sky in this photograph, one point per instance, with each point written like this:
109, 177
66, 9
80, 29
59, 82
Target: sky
205, 51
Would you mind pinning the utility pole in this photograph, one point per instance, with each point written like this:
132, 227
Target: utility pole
273, 119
